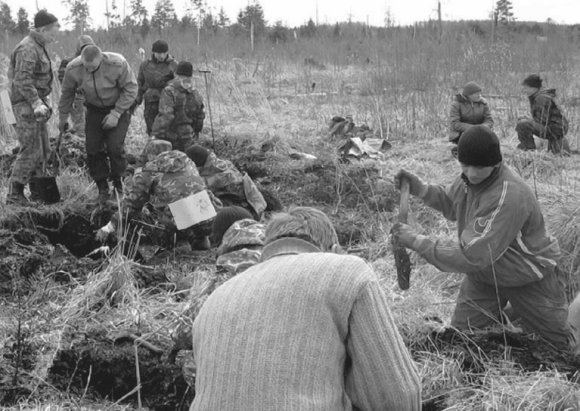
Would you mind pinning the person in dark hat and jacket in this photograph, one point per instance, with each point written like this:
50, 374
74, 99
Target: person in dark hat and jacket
154, 75
30, 73
468, 109
502, 243
547, 122
181, 110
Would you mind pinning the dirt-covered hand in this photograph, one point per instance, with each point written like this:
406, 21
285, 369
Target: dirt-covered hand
42, 112
103, 233
405, 234
110, 121
417, 187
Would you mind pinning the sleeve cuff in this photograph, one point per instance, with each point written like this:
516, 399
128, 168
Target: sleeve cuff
116, 113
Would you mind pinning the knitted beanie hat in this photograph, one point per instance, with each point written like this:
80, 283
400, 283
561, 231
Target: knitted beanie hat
479, 146
471, 88
198, 154
160, 46
184, 68
224, 220
44, 18
533, 80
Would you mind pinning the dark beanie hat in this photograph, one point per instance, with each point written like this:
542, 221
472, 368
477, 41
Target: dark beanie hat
224, 220
533, 80
44, 18
184, 68
198, 154
471, 88
479, 146
160, 46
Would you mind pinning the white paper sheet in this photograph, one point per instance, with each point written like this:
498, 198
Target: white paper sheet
192, 210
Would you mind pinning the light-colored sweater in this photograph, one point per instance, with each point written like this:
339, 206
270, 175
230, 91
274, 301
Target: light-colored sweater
302, 331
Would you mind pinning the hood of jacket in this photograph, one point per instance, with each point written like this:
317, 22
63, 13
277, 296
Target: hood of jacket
462, 99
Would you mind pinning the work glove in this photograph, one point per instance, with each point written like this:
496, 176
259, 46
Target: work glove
417, 187
406, 235
104, 232
110, 121
42, 112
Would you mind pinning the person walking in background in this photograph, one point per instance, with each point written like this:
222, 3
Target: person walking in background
110, 89
31, 76
468, 109
504, 249
181, 110
305, 329
77, 114
154, 75
547, 122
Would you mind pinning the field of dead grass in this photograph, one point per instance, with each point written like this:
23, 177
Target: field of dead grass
280, 111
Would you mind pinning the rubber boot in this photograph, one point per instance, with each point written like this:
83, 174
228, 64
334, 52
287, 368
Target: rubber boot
16, 195
103, 187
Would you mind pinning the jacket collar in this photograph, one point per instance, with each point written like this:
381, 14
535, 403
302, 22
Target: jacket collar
485, 183
288, 246
37, 37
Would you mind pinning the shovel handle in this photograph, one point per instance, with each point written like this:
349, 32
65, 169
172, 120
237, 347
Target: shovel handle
404, 202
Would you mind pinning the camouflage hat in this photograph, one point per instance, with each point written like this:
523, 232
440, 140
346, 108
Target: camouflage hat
156, 147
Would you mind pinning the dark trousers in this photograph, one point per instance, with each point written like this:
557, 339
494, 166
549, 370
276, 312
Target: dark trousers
527, 129
541, 305
105, 148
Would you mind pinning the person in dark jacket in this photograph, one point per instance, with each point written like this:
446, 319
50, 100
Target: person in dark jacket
547, 122
154, 75
468, 109
503, 246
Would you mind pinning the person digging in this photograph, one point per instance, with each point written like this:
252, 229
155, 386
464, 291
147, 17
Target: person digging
502, 244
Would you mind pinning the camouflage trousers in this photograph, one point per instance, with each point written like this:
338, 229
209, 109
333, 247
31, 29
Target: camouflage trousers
31, 135
150, 111
77, 115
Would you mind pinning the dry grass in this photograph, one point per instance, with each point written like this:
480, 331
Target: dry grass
404, 94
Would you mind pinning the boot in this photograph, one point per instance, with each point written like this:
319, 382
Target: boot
103, 187
16, 195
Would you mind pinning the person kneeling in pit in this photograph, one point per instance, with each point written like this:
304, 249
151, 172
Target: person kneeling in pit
169, 176
504, 249
227, 182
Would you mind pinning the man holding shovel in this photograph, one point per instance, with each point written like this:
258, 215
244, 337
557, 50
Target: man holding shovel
110, 88
31, 74
502, 247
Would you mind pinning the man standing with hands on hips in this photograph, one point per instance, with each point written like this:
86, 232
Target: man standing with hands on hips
31, 78
110, 89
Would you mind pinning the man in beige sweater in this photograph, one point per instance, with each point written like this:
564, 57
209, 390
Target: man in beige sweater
306, 329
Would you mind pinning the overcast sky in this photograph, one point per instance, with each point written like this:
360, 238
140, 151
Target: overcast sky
297, 12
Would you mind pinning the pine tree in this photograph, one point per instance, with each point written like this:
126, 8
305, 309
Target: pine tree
22, 23
138, 12
503, 12
79, 14
164, 15
7, 24
222, 19
253, 14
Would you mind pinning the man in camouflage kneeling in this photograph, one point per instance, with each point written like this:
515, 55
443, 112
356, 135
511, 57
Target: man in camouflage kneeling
167, 177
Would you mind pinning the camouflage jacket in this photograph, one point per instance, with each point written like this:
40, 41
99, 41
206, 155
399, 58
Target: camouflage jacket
30, 71
547, 112
222, 177
153, 77
111, 85
181, 111
241, 246
169, 177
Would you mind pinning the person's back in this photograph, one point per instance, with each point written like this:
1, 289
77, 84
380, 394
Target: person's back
310, 331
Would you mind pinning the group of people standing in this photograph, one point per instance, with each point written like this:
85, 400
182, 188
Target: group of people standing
548, 122
100, 92
295, 323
